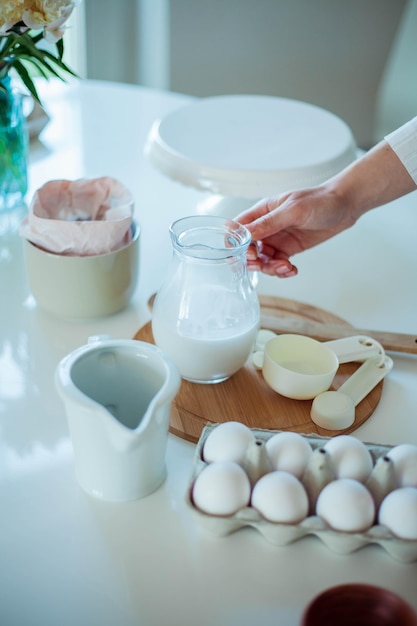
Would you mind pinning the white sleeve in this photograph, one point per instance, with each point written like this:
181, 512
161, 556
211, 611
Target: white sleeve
404, 143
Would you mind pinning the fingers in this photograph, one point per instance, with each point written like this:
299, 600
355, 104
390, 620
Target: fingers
274, 268
248, 216
282, 269
276, 264
267, 217
258, 210
253, 251
263, 220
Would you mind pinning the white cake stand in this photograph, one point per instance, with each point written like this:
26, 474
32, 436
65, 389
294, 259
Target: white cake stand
244, 147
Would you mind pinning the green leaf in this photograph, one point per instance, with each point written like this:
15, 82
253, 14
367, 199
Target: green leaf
40, 61
9, 42
60, 48
59, 63
44, 56
38, 66
37, 37
20, 51
26, 79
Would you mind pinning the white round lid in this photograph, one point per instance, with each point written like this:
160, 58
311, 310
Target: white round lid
250, 146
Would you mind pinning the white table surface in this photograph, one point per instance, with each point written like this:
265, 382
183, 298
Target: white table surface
68, 559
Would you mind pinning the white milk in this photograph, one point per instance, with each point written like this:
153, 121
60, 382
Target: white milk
205, 360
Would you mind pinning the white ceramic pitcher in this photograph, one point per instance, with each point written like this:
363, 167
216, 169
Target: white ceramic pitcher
118, 396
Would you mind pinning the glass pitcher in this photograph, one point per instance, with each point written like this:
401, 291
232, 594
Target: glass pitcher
206, 314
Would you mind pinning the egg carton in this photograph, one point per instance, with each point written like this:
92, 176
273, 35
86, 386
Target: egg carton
281, 534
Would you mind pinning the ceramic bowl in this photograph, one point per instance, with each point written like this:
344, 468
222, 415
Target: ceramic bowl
359, 604
83, 286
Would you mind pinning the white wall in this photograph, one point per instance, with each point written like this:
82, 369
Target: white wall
112, 40
331, 53
75, 38
357, 58
397, 96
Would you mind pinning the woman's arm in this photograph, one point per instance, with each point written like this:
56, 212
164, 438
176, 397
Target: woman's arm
298, 220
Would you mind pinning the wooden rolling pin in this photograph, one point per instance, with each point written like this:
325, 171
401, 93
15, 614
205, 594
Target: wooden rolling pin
396, 342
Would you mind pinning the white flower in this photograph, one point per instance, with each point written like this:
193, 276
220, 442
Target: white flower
47, 13
11, 12
37, 15
23, 25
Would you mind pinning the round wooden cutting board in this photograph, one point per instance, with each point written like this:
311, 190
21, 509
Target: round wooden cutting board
246, 397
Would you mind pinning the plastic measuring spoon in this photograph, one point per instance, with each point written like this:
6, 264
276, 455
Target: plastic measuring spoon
335, 410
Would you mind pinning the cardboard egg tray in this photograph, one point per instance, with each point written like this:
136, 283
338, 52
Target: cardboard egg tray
281, 534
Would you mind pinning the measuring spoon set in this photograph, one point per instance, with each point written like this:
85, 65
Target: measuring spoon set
303, 368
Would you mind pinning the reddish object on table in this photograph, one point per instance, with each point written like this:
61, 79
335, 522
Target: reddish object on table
358, 604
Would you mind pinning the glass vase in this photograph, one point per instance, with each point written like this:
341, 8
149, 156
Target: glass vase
14, 148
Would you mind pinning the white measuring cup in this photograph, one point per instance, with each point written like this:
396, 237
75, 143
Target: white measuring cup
335, 410
301, 368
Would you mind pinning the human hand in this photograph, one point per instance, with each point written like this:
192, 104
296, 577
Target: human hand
293, 222
298, 220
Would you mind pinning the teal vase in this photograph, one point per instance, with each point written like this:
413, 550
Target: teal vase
14, 148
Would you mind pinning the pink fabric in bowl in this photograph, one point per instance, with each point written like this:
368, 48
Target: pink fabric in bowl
82, 217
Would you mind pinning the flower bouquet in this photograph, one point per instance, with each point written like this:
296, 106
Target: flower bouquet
31, 45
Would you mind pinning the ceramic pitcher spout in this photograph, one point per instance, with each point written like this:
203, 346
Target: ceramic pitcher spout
149, 423
118, 396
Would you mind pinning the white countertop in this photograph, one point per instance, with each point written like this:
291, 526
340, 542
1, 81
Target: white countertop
66, 558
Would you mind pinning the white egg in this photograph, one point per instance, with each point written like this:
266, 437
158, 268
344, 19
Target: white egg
349, 458
280, 497
398, 512
227, 442
346, 505
404, 457
221, 489
289, 452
